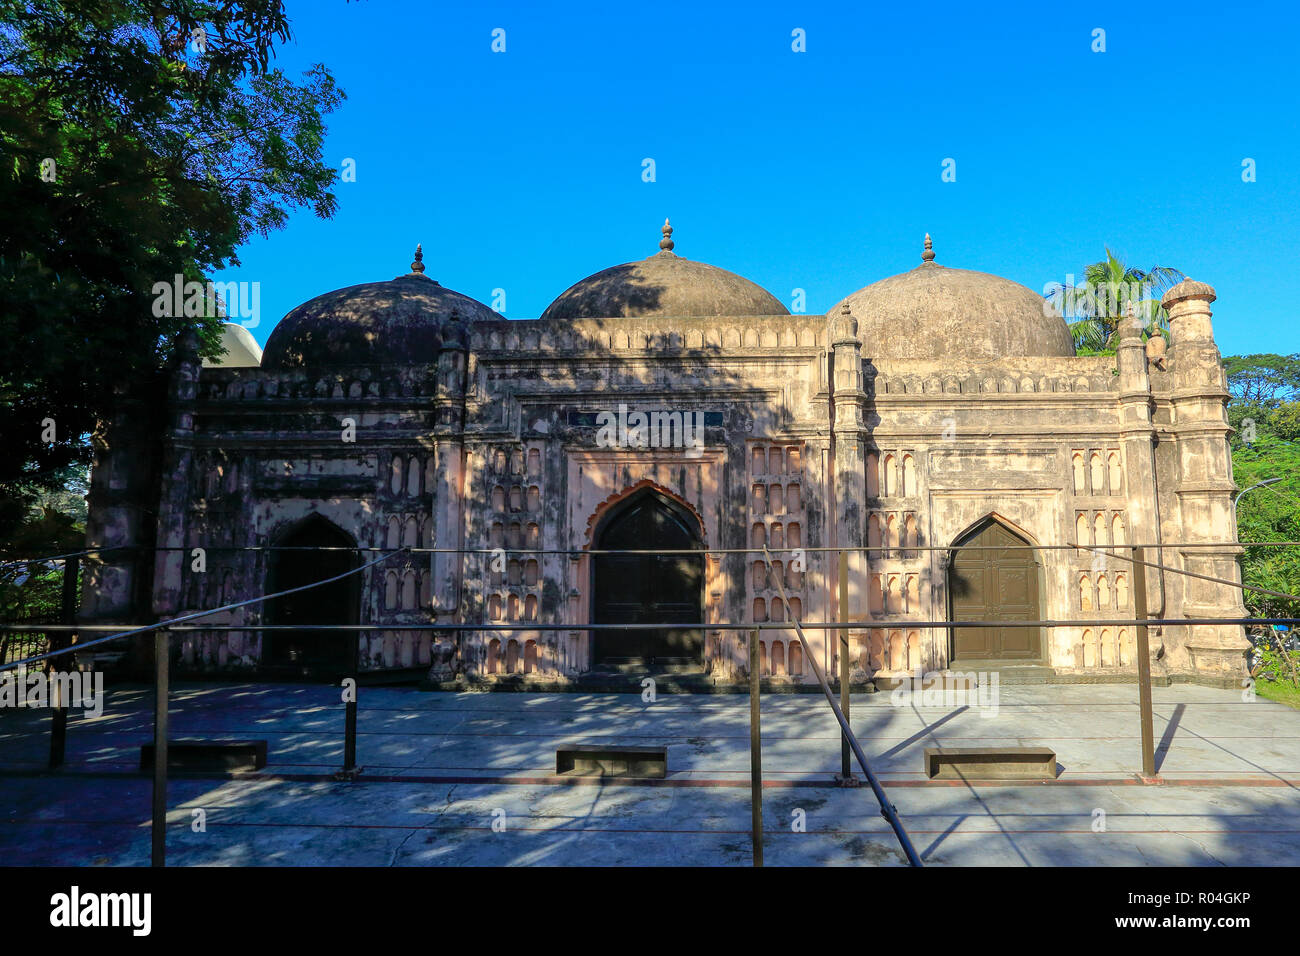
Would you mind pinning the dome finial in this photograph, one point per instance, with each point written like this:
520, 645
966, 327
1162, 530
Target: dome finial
666, 243
928, 254
418, 265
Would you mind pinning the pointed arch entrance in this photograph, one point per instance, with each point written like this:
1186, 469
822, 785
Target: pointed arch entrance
647, 588
994, 576
325, 652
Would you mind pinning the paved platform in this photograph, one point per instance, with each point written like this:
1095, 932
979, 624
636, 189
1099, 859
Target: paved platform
469, 779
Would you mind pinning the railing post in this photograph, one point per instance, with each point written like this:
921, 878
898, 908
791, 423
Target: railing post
59, 715
162, 661
1144, 664
846, 768
755, 752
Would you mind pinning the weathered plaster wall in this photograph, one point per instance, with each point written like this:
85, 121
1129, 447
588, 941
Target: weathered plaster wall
494, 446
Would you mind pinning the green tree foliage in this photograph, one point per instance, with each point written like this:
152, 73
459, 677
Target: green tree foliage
56, 524
1265, 411
1270, 513
139, 139
1264, 391
1277, 663
1095, 307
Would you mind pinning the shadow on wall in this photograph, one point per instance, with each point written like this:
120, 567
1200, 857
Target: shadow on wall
646, 366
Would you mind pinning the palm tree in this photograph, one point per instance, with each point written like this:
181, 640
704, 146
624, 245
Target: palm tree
1109, 287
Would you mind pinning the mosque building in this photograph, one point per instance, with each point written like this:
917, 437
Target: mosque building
938, 418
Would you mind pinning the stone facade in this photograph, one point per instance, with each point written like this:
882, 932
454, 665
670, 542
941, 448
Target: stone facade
476, 433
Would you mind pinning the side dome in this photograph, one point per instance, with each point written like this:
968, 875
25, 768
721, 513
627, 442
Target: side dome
663, 285
241, 349
398, 322
934, 312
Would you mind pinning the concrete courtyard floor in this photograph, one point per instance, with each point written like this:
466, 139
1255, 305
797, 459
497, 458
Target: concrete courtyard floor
469, 779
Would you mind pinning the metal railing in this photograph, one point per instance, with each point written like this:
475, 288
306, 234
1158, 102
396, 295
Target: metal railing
162, 660
841, 709
887, 809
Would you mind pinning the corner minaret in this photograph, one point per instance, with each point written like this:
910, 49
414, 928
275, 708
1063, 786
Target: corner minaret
448, 430
1204, 486
177, 467
849, 433
1138, 435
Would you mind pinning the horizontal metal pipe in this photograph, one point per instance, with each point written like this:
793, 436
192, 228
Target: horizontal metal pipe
1102, 550
892, 624
687, 551
145, 629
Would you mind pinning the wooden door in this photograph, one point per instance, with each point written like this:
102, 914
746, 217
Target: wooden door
994, 577
324, 652
648, 588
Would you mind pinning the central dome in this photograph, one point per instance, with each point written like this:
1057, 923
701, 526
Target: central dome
934, 312
403, 321
663, 285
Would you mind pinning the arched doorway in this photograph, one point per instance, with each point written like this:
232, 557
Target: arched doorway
647, 588
324, 653
993, 576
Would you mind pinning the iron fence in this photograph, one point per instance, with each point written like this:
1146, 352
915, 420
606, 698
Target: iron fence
43, 642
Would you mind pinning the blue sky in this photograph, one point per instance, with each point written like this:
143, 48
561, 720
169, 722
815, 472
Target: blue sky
819, 170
